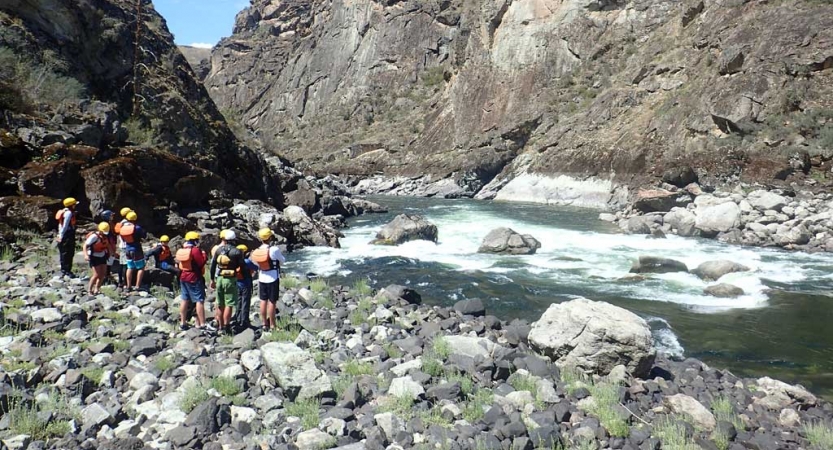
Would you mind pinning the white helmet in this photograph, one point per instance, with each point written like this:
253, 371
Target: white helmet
229, 235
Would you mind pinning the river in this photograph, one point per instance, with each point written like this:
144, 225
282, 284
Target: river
782, 327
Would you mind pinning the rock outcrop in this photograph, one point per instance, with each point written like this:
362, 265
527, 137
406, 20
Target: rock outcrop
594, 337
508, 241
654, 264
492, 91
404, 228
714, 270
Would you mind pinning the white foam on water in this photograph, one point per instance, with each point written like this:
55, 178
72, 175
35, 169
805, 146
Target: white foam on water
602, 258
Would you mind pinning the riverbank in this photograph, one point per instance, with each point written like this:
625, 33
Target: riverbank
350, 365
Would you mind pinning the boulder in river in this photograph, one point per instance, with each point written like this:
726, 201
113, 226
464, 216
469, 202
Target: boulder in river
681, 220
653, 264
724, 290
594, 337
713, 270
507, 241
404, 228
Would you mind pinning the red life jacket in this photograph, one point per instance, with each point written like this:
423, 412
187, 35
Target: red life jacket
126, 232
165, 254
99, 246
59, 216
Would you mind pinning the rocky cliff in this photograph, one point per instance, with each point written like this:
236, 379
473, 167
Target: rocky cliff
104, 107
480, 92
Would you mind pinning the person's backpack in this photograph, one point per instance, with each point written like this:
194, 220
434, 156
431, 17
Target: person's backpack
98, 246
184, 260
126, 232
59, 216
260, 256
225, 262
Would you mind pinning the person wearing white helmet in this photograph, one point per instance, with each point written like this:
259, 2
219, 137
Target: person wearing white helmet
225, 262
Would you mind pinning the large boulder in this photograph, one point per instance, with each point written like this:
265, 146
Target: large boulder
404, 228
654, 200
53, 179
724, 290
508, 241
693, 410
681, 220
713, 270
718, 218
31, 213
636, 225
680, 176
653, 264
764, 200
307, 232
594, 337
118, 183
295, 370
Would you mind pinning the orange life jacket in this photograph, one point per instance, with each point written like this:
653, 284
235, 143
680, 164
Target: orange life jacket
59, 216
99, 246
165, 254
126, 232
260, 256
184, 260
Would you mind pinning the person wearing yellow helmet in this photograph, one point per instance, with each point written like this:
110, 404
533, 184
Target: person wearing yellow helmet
163, 256
132, 234
191, 263
66, 235
268, 258
122, 246
226, 259
96, 252
245, 284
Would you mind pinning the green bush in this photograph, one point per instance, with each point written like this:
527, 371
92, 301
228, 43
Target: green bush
820, 435
138, 133
433, 77
226, 386
38, 83
306, 410
193, 396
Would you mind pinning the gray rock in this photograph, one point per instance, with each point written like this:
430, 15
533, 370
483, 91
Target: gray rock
718, 218
764, 200
653, 264
181, 436
470, 307
404, 228
142, 379
405, 387
681, 220
508, 241
723, 290
18, 442
395, 292
47, 315
636, 225
688, 406
314, 439
714, 270
594, 336
472, 346
95, 415
295, 370
204, 417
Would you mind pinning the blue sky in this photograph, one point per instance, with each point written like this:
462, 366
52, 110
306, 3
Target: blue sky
201, 22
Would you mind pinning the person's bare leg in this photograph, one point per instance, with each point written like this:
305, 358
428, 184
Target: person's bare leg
101, 274
272, 318
227, 315
263, 311
183, 312
127, 277
200, 314
92, 282
219, 315
139, 275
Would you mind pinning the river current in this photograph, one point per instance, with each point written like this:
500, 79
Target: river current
782, 327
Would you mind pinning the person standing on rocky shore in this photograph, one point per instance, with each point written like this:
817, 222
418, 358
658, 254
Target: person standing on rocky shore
113, 263
191, 261
226, 259
97, 252
132, 235
162, 255
269, 258
66, 235
245, 284
122, 247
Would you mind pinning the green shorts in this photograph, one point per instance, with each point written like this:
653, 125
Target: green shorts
226, 292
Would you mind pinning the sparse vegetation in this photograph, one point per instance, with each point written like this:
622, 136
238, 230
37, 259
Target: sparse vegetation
357, 368
164, 364
433, 77
820, 435
361, 288
474, 409
306, 409
672, 434
14, 366
392, 350
286, 329
36, 82
226, 386
318, 286
290, 282
111, 292
138, 133
6, 254
402, 406
93, 374
192, 396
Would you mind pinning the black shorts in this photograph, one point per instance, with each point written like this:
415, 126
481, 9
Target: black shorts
269, 291
98, 261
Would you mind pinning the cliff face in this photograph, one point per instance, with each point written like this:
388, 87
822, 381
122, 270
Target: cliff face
481, 91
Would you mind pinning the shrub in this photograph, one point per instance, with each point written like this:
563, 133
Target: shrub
820, 435
226, 386
193, 396
357, 368
36, 83
672, 435
138, 133
306, 410
361, 288
433, 77
290, 282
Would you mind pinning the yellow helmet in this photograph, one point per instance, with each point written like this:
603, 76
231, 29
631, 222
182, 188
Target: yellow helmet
69, 201
104, 227
131, 216
243, 248
192, 236
264, 234
124, 211
164, 238
223, 234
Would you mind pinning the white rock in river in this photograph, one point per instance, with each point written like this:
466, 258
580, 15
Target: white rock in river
508, 241
594, 336
718, 219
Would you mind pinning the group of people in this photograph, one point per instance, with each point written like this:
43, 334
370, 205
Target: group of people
116, 248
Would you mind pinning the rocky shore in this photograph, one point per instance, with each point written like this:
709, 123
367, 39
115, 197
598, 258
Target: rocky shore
353, 367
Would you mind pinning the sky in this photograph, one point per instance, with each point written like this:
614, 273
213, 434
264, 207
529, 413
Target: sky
200, 23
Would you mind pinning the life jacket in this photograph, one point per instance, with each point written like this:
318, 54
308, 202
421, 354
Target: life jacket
260, 256
184, 260
165, 254
126, 232
99, 246
59, 216
225, 264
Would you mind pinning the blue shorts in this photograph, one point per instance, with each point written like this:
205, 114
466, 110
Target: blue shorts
136, 265
164, 265
192, 292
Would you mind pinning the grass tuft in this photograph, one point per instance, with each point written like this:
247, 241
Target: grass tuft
306, 410
357, 368
290, 282
226, 386
672, 435
820, 435
14, 366
441, 348
93, 374
474, 408
110, 291
361, 288
286, 330
318, 286
193, 396
605, 405
401, 406
6, 254
392, 350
